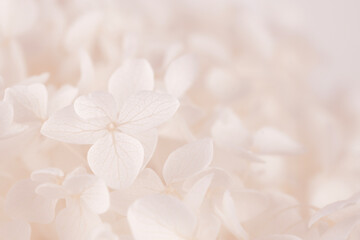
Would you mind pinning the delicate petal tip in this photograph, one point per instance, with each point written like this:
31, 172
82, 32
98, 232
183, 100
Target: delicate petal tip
117, 158
188, 160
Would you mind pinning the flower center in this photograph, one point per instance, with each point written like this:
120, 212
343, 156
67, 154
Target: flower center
111, 127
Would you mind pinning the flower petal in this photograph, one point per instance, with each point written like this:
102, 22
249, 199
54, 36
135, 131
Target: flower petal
228, 131
6, 116
188, 160
75, 222
271, 141
97, 197
180, 75
29, 102
51, 191
133, 76
47, 175
279, 237
66, 126
146, 110
333, 207
149, 140
23, 203
343, 229
195, 197
117, 158
229, 217
161, 217
96, 105
148, 182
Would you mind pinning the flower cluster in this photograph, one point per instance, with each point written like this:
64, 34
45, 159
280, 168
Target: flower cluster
169, 120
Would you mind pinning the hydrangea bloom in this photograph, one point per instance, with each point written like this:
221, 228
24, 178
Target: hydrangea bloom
171, 120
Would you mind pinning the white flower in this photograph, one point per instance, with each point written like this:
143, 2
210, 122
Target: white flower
116, 128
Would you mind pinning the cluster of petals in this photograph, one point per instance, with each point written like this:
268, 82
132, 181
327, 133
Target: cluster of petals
169, 120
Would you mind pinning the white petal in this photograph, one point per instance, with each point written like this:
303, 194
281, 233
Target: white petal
102, 232
146, 110
41, 78
96, 105
332, 208
75, 222
229, 133
6, 116
83, 30
97, 197
51, 191
117, 158
87, 73
180, 75
30, 102
342, 230
149, 140
188, 160
47, 175
15, 230
250, 204
133, 76
66, 126
208, 227
271, 141
148, 182
61, 98
195, 197
229, 217
161, 217
15, 20
279, 237
23, 203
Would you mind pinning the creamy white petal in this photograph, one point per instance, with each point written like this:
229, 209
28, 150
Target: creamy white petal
61, 98
133, 76
196, 195
41, 78
229, 133
343, 229
161, 217
97, 197
6, 116
332, 208
87, 73
47, 175
148, 182
117, 158
66, 126
149, 140
75, 222
22, 202
269, 140
188, 160
279, 237
51, 191
96, 105
180, 75
229, 218
82, 31
29, 102
146, 110
102, 232
208, 227
15, 20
